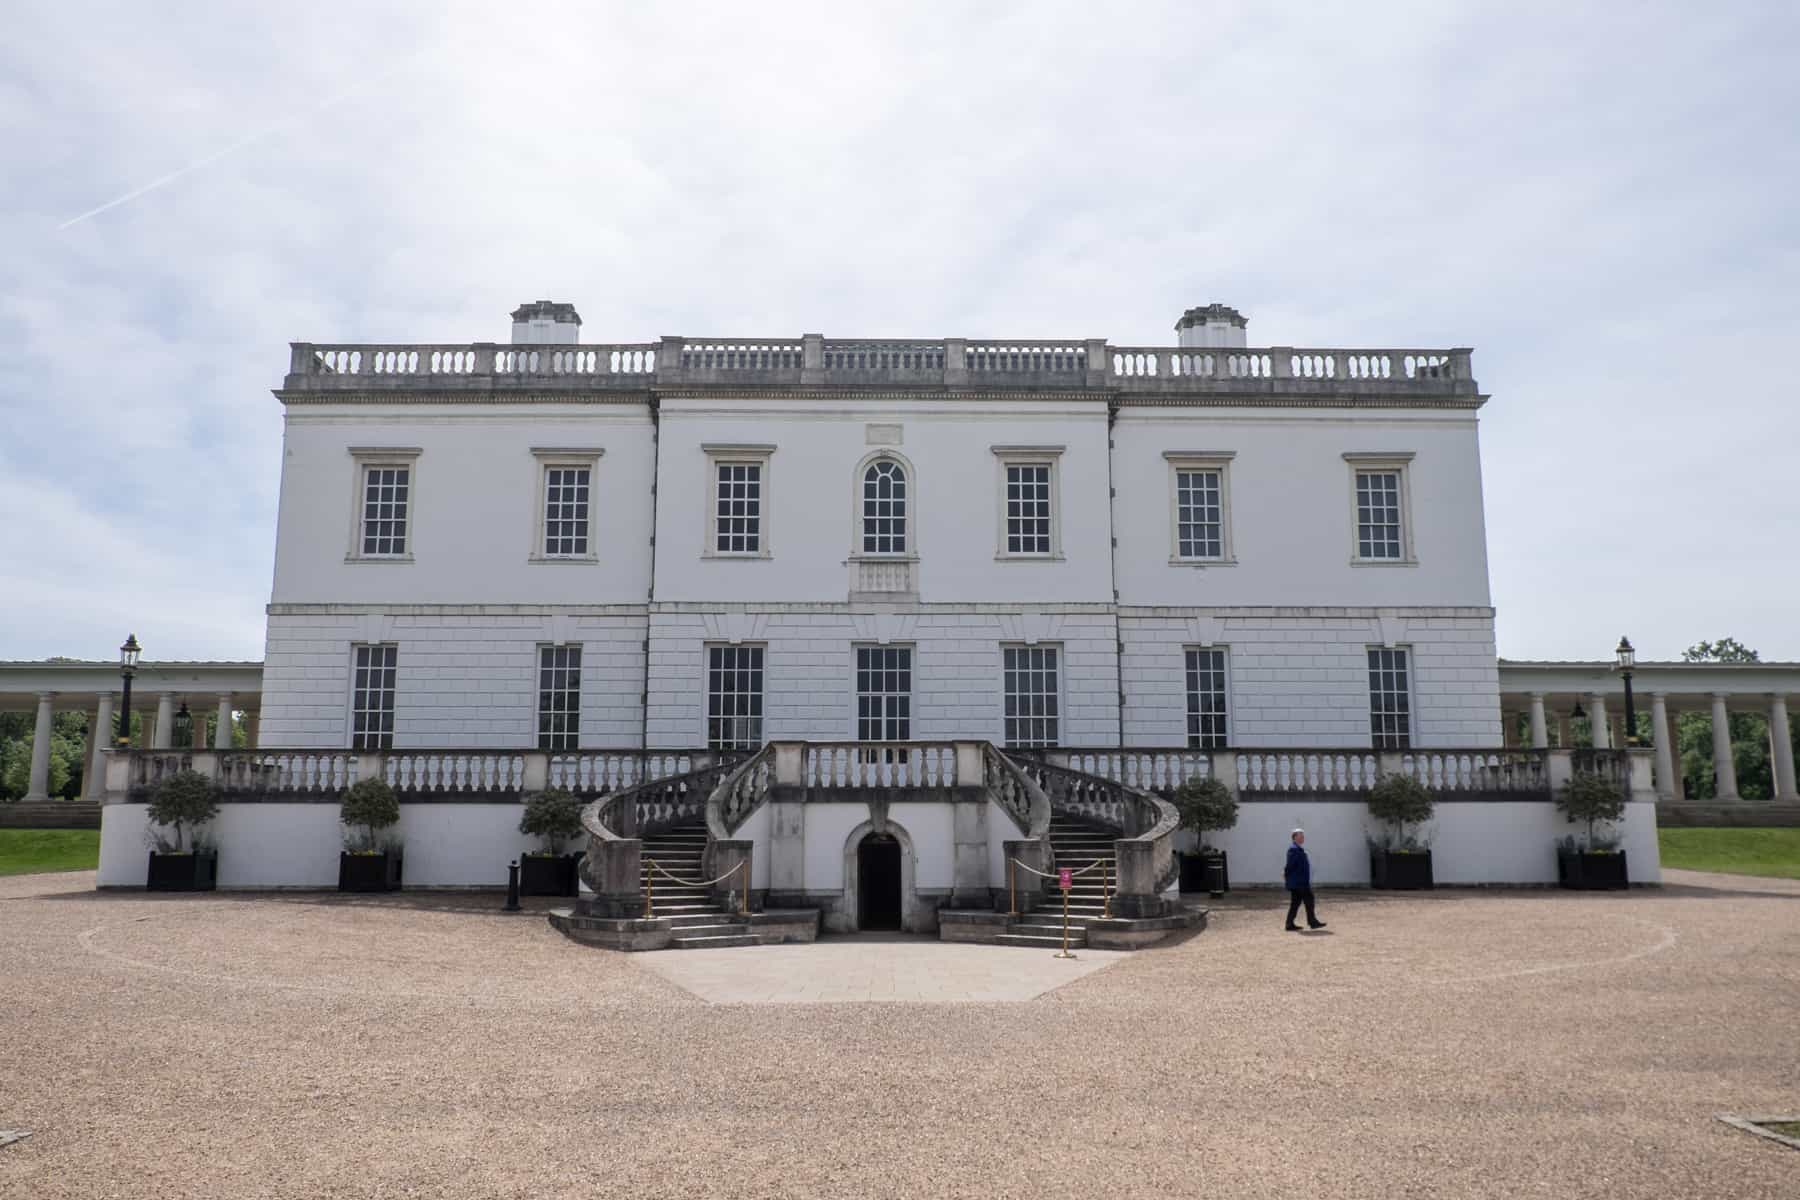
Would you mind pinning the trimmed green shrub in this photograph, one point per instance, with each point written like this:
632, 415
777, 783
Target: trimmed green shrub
1591, 798
1398, 801
553, 815
368, 807
1205, 805
183, 800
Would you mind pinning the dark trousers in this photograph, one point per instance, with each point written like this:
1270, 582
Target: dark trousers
1297, 897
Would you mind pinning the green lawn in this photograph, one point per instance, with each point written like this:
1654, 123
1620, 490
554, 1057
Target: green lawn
1735, 851
28, 851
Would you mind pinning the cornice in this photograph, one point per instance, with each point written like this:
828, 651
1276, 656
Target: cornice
308, 398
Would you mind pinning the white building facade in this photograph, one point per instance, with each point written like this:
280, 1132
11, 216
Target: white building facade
721, 543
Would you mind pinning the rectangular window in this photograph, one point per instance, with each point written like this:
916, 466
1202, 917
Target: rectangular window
1028, 508
385, 504
1032, 698
883, 693
372, 698
1378, 532
1390, 700
559, 697
1199, 514
734, 697
566, 511
738, 525
1206, 699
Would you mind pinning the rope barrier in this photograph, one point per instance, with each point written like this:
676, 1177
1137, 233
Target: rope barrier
1097, 863
650, 886
651, 863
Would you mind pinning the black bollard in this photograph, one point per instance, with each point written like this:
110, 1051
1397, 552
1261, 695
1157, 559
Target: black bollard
512, 887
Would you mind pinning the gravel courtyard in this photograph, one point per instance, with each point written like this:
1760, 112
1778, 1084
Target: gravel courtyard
1453, 1044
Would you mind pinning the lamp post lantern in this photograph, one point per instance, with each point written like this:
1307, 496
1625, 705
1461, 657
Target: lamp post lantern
1626, 657
128, 661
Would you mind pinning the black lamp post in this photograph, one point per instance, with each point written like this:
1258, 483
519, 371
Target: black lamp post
128, 661
1627, 658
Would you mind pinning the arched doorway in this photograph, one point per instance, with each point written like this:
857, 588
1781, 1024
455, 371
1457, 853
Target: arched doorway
878, 882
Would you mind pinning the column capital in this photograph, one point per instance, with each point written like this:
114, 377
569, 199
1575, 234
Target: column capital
1662, 696
1536, 697
46, 697
223, 697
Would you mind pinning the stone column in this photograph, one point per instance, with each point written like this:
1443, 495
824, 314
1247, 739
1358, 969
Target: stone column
164, 736
1723, 766
222, 734
1540, 734
1665, 754
1781, 734
40, 749
1677, 785
87, 754
94, 787
1597, 723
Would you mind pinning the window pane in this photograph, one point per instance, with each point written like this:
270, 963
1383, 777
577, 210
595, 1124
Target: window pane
1028, 508
1390, 700
884, 693
884, 508
559, 697
1378, 533
566, 511
738, 509
384, 510
1206, 703
373, 672
1199, 514
734, 699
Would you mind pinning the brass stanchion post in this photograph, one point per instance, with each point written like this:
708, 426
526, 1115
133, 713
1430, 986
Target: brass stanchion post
1105, 889
1064, 952
744, 896
1012, 887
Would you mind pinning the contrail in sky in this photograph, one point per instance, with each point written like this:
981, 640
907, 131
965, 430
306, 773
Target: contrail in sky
261, 134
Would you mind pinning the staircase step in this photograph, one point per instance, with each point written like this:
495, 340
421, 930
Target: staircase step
691, 920
677, 909
712, 943
1043, 943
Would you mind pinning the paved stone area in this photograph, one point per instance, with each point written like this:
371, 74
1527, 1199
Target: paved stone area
1456, 1044
873, 968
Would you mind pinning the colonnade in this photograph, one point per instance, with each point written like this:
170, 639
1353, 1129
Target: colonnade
1609, 732
156, 732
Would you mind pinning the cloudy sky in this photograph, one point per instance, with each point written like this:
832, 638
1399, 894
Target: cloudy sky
1602, 205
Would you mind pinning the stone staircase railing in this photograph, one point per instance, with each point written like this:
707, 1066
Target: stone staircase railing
1144, 853
616, 825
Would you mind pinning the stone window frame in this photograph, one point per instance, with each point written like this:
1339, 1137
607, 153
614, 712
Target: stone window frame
1035, 456
1060, 695
910, 521
1201, 460
550, 458
381, 739
1188, 695
1398, 462
707, 693
758, 455
1409, 736
363, 459
570, 736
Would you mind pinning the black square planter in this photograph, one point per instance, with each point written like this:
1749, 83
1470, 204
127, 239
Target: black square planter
369, 872
1194, 869
1584, 870
547, 875
1400, 871
182, 872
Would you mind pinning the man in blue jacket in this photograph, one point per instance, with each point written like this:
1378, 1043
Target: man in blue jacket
1299, 883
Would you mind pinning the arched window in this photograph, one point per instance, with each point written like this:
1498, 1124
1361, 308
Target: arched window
884, 508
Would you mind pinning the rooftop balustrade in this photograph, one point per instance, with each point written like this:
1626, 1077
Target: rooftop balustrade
1086, 365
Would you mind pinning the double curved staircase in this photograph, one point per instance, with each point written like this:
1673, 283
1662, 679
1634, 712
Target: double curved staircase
1117, 837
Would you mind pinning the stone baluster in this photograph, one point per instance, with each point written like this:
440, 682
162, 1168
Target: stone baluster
1781, 735
1724, 768
39, 785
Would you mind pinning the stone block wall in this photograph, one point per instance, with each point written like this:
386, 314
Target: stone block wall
1299, 676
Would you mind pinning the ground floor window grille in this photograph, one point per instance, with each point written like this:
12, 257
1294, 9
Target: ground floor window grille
883, 693
734, 697
1032, 696
372, 698
1206, 699
559, 697
1390, 700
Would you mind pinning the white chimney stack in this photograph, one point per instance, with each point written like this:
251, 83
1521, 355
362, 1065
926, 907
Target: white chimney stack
546, 323
1214, 327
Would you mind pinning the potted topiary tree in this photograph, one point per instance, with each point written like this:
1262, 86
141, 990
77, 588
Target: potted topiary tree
1398, 859
184, 801
1205, 805
554, 816
1594, 860
371, 859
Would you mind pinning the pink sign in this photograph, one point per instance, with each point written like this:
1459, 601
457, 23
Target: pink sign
1064, 879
